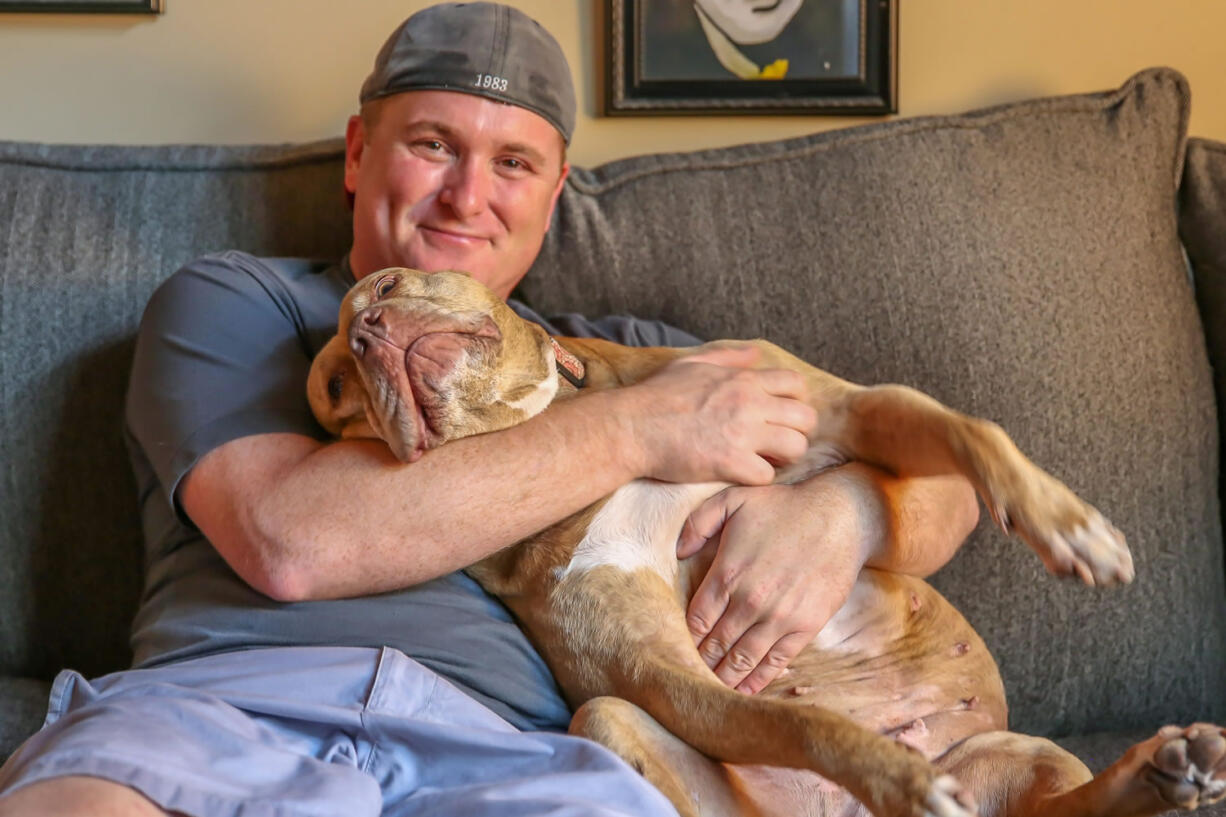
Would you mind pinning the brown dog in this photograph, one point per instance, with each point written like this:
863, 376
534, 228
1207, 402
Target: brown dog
420, 359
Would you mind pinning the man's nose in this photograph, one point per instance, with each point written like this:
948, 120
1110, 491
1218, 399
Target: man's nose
466, 188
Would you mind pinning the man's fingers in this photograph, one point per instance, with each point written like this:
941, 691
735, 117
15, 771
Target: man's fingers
783, 383
751, 470
744, 656
735, 621
706, 609
782, 445
704, 524
775, 661
793, 414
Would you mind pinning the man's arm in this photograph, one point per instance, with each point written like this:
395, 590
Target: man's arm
787, 557
298, 519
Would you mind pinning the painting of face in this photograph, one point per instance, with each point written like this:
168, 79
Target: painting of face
750, 39
752, 56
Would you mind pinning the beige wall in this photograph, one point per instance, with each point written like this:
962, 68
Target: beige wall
288, 70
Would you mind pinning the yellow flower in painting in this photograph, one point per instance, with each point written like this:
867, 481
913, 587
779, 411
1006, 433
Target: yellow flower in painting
776, 70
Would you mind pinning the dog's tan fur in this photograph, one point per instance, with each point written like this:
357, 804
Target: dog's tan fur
896, 692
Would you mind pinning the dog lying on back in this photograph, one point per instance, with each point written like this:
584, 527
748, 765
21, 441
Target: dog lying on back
419, 360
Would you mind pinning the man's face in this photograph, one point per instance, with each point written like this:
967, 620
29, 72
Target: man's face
749, 22
446, 180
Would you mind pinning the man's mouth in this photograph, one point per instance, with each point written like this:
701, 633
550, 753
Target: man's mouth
449, 237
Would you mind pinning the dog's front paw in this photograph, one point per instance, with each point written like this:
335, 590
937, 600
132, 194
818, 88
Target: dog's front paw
949, 799
913, 788
1072, 538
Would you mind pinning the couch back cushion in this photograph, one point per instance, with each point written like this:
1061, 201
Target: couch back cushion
86, 233
1020, 263
1202, 227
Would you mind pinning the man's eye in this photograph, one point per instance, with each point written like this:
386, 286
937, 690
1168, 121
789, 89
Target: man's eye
385, 286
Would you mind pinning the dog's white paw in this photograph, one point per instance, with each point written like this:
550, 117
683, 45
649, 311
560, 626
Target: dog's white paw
1072, 538
949, 799
1094, 551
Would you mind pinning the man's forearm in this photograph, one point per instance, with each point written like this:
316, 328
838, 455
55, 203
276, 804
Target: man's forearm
908, 525
298, 519
350, 519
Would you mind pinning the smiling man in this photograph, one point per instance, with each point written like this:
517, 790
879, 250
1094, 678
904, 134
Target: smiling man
306, 643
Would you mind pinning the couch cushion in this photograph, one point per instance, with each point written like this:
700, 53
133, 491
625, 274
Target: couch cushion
1020, 263
86, 233
1202, 226
23, 706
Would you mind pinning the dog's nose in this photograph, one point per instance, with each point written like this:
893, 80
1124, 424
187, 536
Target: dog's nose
358, 346
372, 317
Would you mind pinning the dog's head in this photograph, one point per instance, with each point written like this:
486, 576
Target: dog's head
420, 359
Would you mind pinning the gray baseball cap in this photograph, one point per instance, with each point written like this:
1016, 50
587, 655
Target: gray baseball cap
486, 49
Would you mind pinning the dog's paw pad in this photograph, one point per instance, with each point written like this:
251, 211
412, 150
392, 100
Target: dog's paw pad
1189, 769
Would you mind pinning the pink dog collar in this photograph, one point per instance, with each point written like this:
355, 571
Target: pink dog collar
569, 366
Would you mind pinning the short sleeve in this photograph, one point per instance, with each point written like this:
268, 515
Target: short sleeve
220, 355
625, 330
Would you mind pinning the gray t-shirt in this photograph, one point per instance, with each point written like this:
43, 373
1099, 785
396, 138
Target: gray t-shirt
224, 348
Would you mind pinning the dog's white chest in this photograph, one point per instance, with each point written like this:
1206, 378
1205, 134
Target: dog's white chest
638, 528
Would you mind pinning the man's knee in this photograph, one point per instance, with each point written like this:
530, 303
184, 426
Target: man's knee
77, 797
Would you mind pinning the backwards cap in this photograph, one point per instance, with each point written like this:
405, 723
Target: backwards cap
486, 49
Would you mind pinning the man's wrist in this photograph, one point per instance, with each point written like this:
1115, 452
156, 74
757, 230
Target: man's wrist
860, 509
625, 441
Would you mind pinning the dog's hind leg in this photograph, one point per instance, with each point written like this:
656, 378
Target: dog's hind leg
696, 785
699, 786
622, 633
883, 774
1015, 775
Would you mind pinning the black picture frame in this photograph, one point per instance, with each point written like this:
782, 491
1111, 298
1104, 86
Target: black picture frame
647, 72
84, 6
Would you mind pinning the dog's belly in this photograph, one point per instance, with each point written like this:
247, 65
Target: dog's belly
896, 658
899, 659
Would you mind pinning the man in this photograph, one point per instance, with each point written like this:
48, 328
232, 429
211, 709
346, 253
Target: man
289, 575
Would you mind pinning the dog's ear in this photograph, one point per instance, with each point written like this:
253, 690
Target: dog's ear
335, 392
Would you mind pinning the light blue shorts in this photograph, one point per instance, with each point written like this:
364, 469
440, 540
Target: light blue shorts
322, 732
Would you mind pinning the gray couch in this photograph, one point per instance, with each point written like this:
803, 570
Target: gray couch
1025, 263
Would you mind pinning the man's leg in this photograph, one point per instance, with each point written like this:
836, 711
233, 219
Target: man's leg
437, 751
78, 797
158, 741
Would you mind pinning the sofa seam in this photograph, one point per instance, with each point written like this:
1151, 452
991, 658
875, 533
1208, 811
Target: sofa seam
324, 153
1211, 145
1045, 107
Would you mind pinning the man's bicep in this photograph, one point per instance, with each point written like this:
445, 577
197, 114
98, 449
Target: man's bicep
223, 492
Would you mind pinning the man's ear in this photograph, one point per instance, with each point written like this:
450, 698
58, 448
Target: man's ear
557, 191
355, 142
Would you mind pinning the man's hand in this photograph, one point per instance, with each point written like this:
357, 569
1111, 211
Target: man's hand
786, 558
710, 417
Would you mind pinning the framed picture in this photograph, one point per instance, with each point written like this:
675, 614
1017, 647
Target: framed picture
835, 57
78, 6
